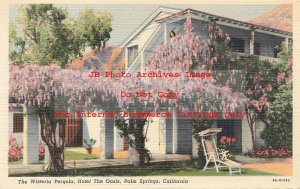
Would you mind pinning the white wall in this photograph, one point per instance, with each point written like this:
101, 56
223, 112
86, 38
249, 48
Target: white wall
91, 129
246, 137
259, 127
118, 141
153, 136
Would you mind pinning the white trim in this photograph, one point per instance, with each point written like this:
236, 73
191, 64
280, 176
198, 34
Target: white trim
146, 22
271, 33
165, 33
232, 25
229, 22
146, 44
126, 58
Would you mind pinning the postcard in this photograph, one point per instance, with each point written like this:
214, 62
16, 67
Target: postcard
149, 95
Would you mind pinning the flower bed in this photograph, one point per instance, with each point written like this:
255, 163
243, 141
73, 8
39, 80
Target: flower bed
15, 151
270, 152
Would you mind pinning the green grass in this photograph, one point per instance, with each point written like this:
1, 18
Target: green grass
20, 161
181, 168
71, 155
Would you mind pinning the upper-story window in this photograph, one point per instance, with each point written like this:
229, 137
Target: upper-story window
132, 54
237, 45
18, 120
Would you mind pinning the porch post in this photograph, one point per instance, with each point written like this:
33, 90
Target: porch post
165, 33
286, 42
118, 141
30, 137
251, 43
106, 138
175, 132
126, 58
142, 61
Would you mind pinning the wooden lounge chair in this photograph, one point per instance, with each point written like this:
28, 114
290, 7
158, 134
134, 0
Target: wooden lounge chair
213, 156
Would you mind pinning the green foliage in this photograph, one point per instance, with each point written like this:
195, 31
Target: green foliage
198, 126
44, 34
17, 50
279, 133
89, 143
95, 28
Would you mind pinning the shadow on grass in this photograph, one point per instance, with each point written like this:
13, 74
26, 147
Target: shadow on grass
180, 168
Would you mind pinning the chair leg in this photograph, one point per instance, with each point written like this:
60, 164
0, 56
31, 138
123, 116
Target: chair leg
217, 168
205, 165
207, 162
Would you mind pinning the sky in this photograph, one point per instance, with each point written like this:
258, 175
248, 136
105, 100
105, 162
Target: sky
126, 18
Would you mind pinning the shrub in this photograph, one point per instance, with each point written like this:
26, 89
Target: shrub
41, 151
15, 151
279, 133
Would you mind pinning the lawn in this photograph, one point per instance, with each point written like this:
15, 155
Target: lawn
69, 155
181, 168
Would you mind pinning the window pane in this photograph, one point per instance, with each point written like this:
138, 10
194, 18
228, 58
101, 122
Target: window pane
18, 121
132, 54
237, 45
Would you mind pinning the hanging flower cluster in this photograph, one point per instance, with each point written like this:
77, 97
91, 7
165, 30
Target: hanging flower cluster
40, 86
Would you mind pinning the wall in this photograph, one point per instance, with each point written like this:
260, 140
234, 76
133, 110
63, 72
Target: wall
246, 137
184, 136
153, 136
259, 127
91, 129
18, 136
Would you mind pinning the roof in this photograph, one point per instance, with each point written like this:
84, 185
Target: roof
225, 20
281, 17
147, 21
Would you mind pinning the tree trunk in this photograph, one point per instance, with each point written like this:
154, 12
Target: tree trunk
56, 163
253, 137
53, 135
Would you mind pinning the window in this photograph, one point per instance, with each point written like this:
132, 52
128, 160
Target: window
237, 45
132, 54
256, 48
18, 120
